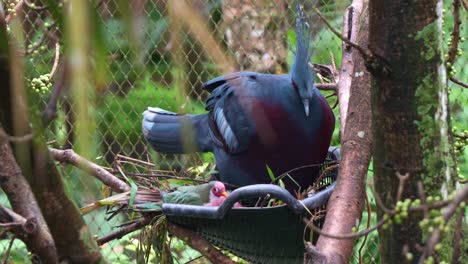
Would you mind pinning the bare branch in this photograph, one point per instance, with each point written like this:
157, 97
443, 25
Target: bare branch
10, 218
457, 238
348, 235
125, 230
459, 82
201, 245
401, 183
56, 60
369, 218
18, 7
422, 195
163, 176
34, 6
447, 213
465, 4
7, 253
70, 157
453, 50
50, 112
345, 206
20, 139
364, 52
35, 46
326, 86
35, 232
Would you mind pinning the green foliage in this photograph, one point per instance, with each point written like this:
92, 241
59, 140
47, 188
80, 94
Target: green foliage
270, 173
120, 116
18, 254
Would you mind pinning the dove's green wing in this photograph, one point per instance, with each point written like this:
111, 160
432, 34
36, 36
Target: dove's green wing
182, 197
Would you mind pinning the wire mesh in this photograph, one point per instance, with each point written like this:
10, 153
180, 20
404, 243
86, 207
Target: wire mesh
148, 63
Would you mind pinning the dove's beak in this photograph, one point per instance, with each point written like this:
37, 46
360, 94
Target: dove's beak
224, 194
305, 102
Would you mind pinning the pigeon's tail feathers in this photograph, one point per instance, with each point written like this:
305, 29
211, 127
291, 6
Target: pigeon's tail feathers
171, 133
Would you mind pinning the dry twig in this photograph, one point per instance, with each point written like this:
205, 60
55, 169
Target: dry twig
18, 7
56, 60
369, 218
459, 82
453, 50
125, 230
70, 157
401, 184
345, 236
364, 52
196, 242
7, 253
447, 213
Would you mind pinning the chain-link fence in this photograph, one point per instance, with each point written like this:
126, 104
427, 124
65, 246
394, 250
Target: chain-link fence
158, 53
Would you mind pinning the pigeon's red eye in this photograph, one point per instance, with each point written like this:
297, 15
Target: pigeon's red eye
215, 190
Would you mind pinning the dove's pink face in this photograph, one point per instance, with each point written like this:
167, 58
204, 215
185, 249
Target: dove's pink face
219, 189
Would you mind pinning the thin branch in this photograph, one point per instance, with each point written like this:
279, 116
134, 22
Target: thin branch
401, 184
453, 50
378, 200
162, 176
326, 86
364, 232
56, 60
36, 45
11, 217
459, 82
7, 253
10, 224
50, 112
34, 6
20, 139
364, 52
50, 35
369, 218
70, 157
324, 172
337, 102
461, 136
447, 213
422, 196
18, 7
457, 238
125, 230
201, 245
119, 157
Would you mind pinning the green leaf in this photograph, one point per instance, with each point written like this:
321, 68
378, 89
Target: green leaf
270, 173
281, 184
149, 207
133, 191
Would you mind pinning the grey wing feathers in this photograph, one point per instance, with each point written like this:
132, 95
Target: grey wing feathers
167, 132
230, 124
212, 84
225, 131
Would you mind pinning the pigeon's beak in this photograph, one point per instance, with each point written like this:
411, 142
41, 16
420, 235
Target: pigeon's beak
224, 194
305, 102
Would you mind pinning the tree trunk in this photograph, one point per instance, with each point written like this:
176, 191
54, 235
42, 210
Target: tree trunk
345, 206
410, 114
73, 241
